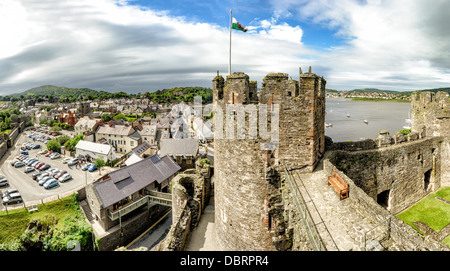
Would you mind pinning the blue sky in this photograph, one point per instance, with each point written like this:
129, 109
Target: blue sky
138, 46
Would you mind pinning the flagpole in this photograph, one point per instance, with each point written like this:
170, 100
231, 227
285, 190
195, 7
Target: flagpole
229, 53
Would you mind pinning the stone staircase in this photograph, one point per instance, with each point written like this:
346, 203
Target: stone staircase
87, 211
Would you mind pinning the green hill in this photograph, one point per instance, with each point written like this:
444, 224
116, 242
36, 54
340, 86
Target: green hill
50, 90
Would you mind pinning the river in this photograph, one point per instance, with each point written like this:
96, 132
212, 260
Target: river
379, 115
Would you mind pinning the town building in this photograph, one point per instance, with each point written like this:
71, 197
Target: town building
92, 151
184, 151
122, 137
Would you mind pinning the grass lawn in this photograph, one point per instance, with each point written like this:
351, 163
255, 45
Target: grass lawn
433, 212
14, 223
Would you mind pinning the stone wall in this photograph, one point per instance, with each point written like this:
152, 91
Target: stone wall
404, 237
432, 111
397, 176
190, 194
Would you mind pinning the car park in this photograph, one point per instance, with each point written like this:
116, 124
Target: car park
19, 164
4, 182
64, 178
12, 198
29, 169
50, 183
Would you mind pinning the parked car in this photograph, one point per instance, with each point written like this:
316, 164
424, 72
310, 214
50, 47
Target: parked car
92, 168
44, 167
36, 146
38, 165
85, 167
50, 183
43, 180
12, 198
28, 169
59, 174
24, 152
14, 162
43, 152
19, 164
55, 155
48, 153
9, 191
66, 160
4, 182
36, 175
64, 178
73, 162
42, 176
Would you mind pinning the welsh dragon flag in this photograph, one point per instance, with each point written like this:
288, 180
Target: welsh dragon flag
236, 25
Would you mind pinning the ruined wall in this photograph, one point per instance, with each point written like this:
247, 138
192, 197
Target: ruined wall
190, 193
432, 111
397, 176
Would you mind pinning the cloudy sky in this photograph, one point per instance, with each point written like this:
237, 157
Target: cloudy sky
138, 46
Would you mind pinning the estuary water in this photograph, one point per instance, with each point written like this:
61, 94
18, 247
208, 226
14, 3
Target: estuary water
379, 115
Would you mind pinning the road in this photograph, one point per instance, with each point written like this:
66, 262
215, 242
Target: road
30, 189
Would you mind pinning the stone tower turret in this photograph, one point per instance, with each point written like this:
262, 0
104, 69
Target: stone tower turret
246, 176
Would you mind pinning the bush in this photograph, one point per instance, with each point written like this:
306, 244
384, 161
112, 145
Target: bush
405, 131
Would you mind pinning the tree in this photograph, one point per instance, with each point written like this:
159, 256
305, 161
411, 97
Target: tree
71, 144
53, 145
99, 163
120, 116
106, 117
63, 139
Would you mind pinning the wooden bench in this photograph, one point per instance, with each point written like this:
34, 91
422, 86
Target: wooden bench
339, 185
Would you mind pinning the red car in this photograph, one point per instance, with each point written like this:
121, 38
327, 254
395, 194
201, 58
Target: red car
54, 134
57, 176
39, 165
48, 153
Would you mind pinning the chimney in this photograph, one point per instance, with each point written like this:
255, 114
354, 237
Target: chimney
111, 123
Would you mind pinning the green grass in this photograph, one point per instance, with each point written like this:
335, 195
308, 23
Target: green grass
14, 222
433, 212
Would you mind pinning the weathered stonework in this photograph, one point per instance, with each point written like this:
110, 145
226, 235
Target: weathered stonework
248, 203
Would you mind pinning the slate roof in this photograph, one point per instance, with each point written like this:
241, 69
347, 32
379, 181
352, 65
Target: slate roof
128, 180
179, 147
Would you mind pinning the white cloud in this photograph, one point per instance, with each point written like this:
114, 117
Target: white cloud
109, 46
400, 45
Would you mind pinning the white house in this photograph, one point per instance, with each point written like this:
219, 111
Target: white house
95, 150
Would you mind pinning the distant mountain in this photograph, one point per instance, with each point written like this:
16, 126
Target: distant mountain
49, 90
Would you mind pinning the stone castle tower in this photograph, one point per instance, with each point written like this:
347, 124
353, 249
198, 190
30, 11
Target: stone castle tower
247, 175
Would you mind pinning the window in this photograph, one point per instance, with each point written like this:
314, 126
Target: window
132, 143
